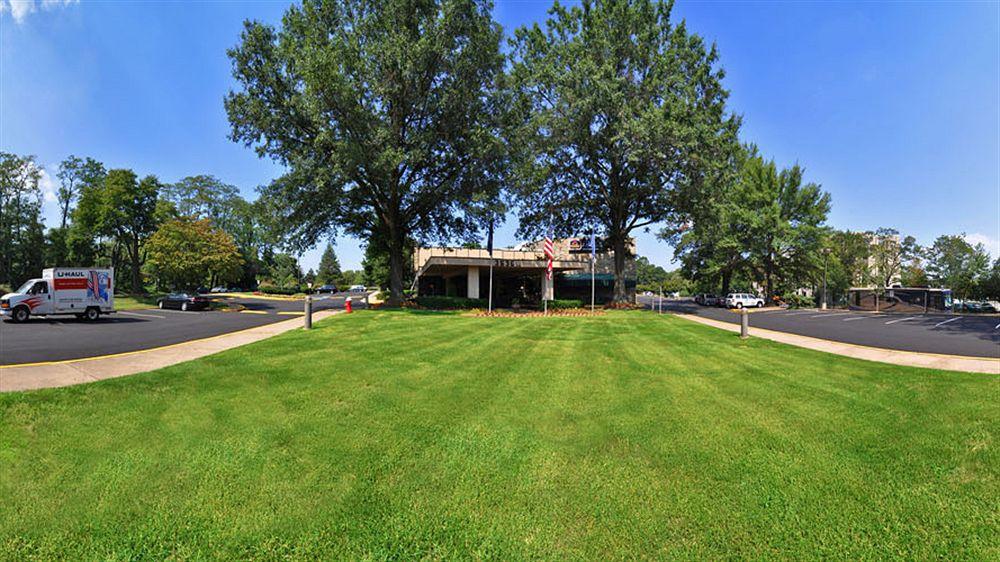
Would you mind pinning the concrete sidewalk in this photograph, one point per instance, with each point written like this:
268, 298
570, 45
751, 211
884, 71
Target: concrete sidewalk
895, 357
76, 371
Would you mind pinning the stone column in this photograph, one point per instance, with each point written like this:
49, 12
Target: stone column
473, 282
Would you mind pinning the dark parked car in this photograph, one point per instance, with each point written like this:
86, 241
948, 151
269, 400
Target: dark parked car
184, 301
202, 290
326, 289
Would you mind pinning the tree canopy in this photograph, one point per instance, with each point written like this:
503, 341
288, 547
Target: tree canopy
329, 267
20, 218
623, 117
186, 252
381, 111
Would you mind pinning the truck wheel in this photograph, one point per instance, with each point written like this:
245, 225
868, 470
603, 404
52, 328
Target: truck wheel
161, 304
739, 305
92, 314
184, 307
21, 314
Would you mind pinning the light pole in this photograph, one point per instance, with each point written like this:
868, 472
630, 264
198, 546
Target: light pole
826, 253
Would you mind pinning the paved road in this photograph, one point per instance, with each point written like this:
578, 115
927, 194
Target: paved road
60, 338
968, 335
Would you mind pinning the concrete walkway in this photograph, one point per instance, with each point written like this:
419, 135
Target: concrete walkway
907, 358
90, 369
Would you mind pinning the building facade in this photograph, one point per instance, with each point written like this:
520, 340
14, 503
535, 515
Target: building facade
519, 274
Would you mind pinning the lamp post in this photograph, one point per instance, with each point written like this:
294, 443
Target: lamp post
826, 253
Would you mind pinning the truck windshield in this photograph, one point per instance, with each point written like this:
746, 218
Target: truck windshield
27, 286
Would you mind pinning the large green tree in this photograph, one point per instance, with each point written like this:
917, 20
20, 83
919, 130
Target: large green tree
784, 219
186, 252
201, 197
122, 209
21, 236
755, 222
624, 117
382, 111
74, 174
329, 267
955, 263
845, 259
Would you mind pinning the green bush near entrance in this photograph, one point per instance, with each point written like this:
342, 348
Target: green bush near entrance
450, 303
558, 304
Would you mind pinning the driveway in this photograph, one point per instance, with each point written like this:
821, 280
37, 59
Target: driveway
60, 338
949, 334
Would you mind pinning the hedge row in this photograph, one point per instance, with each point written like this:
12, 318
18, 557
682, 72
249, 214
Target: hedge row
453, 303
450, 303
280, 290
559, 304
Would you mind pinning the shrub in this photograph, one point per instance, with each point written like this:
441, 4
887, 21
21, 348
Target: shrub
450, 303
271, 290
795, 300
559, 304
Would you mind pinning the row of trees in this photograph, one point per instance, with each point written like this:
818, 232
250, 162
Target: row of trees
883, 258
757, 225
195, 231
404, 121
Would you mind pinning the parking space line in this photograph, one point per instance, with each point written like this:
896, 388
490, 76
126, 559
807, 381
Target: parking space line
800, 313
830, 314
253, 312
140, 314
855, 318
997, 327
900, 320
946, 321
290, 312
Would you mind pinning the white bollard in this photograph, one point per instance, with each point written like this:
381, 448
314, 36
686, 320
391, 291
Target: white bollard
308, 318
744, 324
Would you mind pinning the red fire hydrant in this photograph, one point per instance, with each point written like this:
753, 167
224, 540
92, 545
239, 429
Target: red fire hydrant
347, 304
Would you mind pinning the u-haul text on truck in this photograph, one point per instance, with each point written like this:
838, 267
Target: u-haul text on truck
85, 292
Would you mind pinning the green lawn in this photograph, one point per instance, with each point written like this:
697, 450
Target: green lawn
421, 435
136, 302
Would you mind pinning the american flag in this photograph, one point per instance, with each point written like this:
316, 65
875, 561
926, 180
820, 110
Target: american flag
549, 254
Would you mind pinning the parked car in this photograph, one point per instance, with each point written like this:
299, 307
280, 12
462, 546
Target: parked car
219, 289
326, 289
184, 301
708, 299
203, 290
743, 300
358, 288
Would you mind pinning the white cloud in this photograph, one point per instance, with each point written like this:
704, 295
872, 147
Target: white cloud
19, 9
992, 244
48, 185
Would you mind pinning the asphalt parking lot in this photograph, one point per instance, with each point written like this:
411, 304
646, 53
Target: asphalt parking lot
61, 338
950, 334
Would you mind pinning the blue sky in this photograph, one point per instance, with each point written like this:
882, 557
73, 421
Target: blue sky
893, 107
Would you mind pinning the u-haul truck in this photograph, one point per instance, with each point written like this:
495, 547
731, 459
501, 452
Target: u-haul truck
85, 292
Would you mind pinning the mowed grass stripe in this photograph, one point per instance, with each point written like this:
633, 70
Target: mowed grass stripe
428, 435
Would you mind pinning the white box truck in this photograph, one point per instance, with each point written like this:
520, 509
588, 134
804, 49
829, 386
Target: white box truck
86, 292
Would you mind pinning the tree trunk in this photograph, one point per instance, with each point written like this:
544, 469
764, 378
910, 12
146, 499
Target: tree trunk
137, 287
727, 278
395, 266
621, 292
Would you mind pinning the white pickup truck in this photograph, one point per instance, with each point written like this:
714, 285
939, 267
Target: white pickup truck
85, 292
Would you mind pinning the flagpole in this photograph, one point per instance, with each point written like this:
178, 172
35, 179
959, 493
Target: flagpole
491, 285
593, 266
